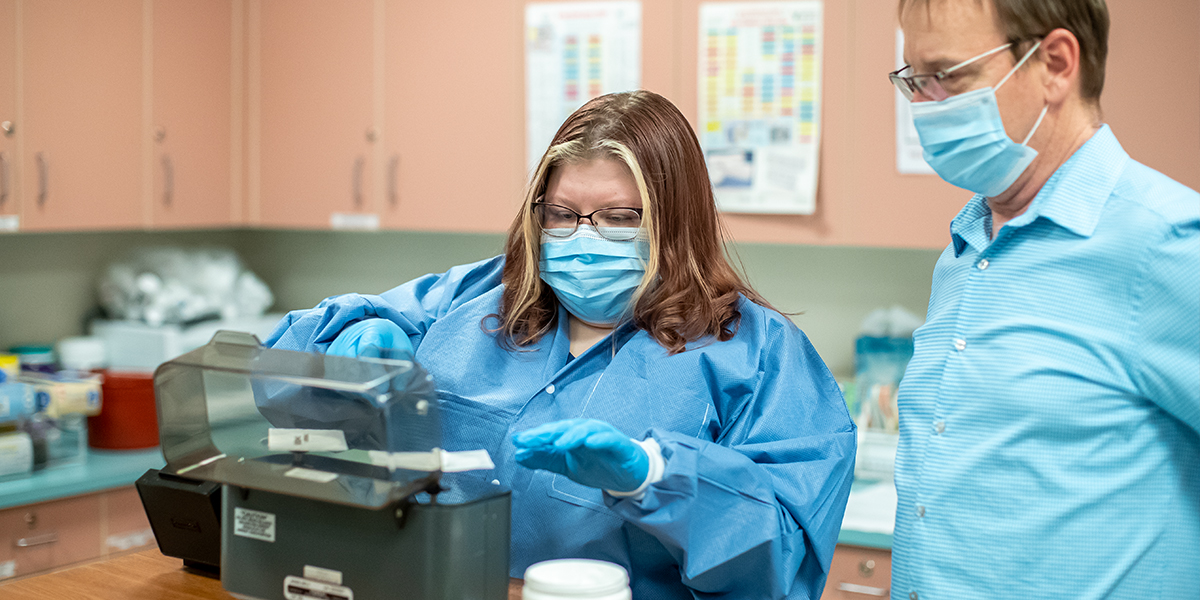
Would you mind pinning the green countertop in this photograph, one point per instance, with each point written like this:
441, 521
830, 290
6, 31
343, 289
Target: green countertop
882, 541
107, 469
103, 469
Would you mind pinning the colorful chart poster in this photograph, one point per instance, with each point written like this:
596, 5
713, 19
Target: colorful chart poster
575, 51
910, 158
760, 104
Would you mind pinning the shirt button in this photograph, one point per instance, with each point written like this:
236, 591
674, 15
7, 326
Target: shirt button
982, 264
920, 510
550, 389
939, 426
913, 596
960, 345
495, 482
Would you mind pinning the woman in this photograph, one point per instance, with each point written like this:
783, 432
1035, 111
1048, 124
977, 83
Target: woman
614, 313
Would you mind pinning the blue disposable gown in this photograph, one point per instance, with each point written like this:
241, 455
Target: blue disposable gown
758, 443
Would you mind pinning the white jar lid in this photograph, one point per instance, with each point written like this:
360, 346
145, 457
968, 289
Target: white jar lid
576, 578
82, 353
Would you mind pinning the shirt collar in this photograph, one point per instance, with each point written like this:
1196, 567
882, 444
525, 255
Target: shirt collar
1072, 198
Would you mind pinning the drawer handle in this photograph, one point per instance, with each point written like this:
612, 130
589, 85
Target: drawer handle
47, 538
865, 590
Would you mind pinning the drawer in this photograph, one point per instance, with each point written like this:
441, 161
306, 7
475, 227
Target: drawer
126, 525
49, 535
859, 574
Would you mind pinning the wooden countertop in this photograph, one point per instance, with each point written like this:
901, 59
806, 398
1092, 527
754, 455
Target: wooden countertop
146, 575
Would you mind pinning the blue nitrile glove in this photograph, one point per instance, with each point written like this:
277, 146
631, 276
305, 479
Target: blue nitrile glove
590, 452
368, 337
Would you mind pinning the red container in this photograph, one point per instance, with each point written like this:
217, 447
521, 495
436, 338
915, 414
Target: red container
128, 418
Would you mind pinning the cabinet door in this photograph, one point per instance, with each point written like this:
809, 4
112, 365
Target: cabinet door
49, 535
127, 527
858, 574
192, 113
8, 115
82, 82
315, 110
454, 102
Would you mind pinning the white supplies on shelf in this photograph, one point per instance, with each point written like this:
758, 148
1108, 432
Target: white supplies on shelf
136, 346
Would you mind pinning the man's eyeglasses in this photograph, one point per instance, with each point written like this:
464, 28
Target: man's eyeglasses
617, 224
929, 85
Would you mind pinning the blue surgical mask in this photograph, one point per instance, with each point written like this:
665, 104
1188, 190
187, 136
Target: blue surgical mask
964, 140
594, 277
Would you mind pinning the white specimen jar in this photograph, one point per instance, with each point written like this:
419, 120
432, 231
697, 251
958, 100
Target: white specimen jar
576, 579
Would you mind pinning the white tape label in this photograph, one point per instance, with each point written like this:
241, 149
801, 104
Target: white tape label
306, 440
254, 524
311, 474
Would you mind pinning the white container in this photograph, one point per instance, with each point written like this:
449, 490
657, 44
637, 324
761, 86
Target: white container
82, 353
16, 454
576, 579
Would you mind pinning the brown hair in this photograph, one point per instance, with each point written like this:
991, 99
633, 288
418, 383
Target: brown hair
1087, 20
689, 290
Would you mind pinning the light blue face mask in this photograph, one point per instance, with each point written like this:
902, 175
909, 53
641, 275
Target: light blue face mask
964, 140
594, 277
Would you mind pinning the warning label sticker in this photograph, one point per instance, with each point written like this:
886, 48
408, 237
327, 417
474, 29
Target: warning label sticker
254, 524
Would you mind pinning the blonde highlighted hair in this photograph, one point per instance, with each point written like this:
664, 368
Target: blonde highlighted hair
689, 290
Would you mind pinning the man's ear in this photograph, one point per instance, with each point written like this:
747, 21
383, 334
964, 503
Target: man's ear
1060, 55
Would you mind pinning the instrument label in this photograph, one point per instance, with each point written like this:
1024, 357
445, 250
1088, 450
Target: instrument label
254, 524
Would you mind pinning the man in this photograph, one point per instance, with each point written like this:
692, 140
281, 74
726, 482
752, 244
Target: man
1050, 417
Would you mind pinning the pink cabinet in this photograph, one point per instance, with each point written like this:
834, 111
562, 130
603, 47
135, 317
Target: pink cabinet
859, 573
193, 137
9, 212
48, 535
81, 96
312, 111
53, 534
454, 114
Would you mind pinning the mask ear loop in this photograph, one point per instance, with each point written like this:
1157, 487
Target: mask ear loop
1010, 74
1018, 65
1036, 125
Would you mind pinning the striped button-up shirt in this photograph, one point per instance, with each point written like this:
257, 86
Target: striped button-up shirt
1050, 416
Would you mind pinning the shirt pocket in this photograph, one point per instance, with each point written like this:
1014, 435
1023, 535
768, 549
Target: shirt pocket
472, 425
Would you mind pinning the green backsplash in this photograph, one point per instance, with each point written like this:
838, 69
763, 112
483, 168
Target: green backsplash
48, 281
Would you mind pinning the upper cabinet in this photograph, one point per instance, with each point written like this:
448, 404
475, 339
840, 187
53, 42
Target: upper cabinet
454, 114
195, 138
410, 114
119, 115
80, 87
9, 212
313, 123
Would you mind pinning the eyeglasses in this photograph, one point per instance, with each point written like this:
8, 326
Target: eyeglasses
616, 224
930, 85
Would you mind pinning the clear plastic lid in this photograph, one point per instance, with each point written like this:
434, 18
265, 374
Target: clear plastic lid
296, 423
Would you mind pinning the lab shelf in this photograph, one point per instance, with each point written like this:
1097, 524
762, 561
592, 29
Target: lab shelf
103, 470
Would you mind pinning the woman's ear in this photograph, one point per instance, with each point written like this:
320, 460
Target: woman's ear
1060, 55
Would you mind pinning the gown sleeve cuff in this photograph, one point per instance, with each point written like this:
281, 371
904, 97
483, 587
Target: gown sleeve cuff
655, 474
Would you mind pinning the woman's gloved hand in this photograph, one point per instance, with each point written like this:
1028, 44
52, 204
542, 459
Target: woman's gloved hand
368, 337
590, 452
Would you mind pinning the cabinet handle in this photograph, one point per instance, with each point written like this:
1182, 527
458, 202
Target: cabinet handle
865, 590
394, 180
168, 179
359, 164
43, 178
40, 540
3, 178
